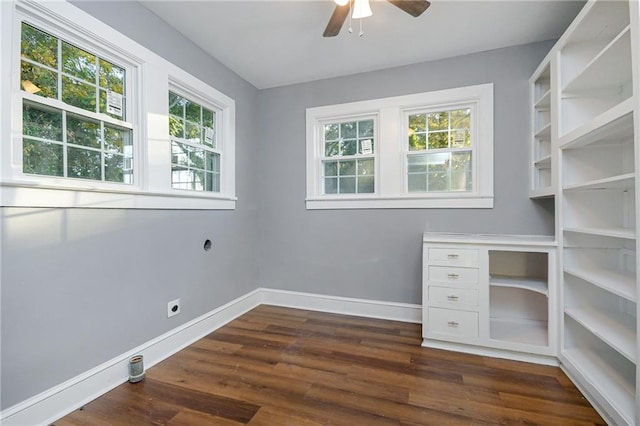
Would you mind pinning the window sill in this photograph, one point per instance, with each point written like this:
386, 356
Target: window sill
474, 201
20, 195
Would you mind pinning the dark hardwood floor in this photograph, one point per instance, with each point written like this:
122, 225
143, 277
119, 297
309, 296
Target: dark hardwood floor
278, 366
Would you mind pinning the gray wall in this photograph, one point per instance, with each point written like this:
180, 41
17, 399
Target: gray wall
376, 254
82, 286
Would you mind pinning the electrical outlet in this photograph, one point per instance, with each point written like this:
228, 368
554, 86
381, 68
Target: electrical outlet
173, 308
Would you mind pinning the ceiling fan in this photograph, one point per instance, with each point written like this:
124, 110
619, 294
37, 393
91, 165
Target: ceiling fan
362, 9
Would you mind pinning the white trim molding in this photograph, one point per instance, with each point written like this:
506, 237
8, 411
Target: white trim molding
66, 397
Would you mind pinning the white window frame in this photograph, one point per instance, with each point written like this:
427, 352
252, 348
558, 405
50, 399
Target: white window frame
392, 149
323, 158
148, 80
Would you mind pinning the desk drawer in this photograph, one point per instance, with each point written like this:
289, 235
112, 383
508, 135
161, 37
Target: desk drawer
454, 255
453, 296
453, 323
450, 274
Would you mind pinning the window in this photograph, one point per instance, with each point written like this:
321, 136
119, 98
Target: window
195, 158
86, 119
427, 150
348, 161
68, 136
440, 150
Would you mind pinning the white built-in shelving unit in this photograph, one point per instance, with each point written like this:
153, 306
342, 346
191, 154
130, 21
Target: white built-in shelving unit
490, 294
541, 177
594, 110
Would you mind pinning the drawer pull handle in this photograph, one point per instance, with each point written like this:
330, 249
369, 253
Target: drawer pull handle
453, 276
452, 323
452, 298
452, 256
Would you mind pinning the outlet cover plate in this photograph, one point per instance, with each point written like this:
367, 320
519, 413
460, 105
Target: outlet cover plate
173, 308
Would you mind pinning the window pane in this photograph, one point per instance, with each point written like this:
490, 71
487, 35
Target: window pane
417, 123
461, 181
437, 181
365, 129
39, 46
417, 163
114, 167
192, 132
42, 158
438, 162
331, 168
41, 122
331, 149
461, 118
193, 111
347, 185
330, 185
417, 182
208, 117
213, 182
79, 94
330, 132
366, 184
179, 154
196, 158
176, 104
38, 80
347, 168
79, 63
366, 167
348, 130
112, 77
349, 147
438, 121
115, 139
212, 162
83, 163
438, 140
417, 142
176, 127
83, 132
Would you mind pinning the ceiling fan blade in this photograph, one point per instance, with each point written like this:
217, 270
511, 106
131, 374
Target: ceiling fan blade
412, 7
338, 17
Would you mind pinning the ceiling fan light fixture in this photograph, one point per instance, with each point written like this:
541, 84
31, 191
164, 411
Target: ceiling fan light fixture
361, 9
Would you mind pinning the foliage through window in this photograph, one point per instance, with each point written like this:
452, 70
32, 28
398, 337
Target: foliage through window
73, 114
348, 164
195, 157
440, 151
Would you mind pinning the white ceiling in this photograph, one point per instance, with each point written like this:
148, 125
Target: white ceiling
275, 43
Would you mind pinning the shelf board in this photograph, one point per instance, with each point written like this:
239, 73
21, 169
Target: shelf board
542, 192
615, 329
625, 181
613, 125
543, 162
538, 285
608, 280
544, 102
528, 332
604, 378
629, 234
544, 132
611, 67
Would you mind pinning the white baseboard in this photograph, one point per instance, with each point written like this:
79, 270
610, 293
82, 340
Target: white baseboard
66, 397
52, 404
491, 352
404, 312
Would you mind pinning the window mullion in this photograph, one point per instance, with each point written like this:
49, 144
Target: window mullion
64, 144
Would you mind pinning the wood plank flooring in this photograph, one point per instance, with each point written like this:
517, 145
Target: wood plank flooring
278, 366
